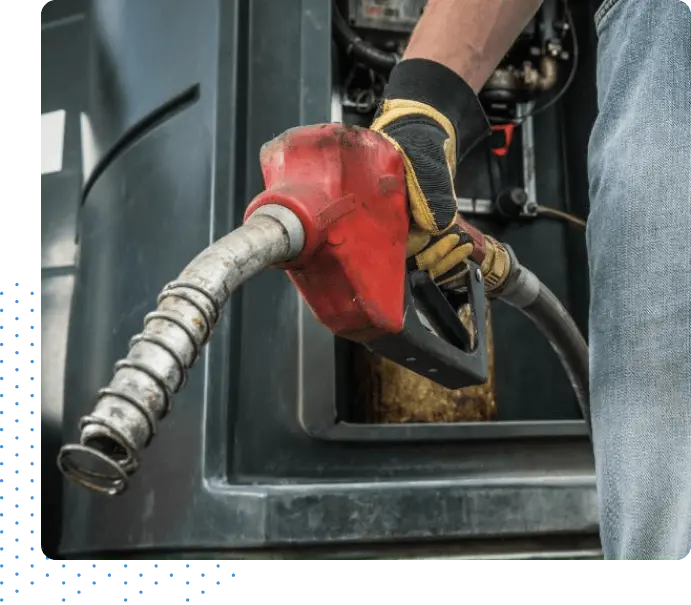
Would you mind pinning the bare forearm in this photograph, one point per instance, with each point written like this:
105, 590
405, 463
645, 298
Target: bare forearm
470, 36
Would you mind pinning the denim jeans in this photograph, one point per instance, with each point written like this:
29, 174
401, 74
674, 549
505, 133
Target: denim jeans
639, 244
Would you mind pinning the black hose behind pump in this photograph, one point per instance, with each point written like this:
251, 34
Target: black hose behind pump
355, 46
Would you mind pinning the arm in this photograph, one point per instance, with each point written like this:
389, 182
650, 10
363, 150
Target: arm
470, 37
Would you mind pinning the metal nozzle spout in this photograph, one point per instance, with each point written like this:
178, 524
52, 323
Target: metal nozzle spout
125, 417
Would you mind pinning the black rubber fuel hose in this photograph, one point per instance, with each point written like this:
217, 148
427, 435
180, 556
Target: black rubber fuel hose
556, 324
355, 46
528, 294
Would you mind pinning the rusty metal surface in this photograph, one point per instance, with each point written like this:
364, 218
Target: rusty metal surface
391, 394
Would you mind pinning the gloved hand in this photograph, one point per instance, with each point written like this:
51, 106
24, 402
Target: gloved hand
433, 117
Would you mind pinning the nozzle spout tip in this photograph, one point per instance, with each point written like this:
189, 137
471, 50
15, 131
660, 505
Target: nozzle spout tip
92, 469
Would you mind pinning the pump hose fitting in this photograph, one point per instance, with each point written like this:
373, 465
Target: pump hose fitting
496, 265
127, 412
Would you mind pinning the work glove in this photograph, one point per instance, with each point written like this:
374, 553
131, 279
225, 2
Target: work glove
433, 117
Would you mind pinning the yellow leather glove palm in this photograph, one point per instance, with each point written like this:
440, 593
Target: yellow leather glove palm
433, 118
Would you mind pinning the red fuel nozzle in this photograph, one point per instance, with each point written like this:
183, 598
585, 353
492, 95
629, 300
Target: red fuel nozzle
347, 187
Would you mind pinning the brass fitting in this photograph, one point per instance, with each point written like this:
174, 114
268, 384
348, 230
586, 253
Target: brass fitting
495, 266
494, 259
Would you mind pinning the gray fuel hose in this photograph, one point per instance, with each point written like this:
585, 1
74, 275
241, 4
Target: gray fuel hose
525, 292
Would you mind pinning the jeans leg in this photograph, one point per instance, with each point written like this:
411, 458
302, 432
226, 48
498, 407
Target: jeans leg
639, 244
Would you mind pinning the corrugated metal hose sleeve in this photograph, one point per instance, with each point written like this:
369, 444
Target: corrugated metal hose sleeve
124, 419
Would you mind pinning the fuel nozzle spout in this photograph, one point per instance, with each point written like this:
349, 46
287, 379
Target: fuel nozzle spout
129, 410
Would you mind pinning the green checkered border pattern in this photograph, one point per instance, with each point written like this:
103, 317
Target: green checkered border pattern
25, 574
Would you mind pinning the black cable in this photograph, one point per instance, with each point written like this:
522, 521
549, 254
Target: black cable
572, 75
357, 47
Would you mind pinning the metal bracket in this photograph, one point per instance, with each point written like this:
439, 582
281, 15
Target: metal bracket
528, 145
